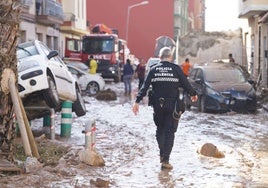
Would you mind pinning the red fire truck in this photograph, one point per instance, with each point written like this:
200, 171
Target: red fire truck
107, 49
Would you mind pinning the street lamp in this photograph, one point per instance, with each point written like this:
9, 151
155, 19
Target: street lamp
128, 12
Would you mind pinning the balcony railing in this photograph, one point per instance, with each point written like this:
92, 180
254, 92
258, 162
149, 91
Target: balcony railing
26, 2
251, 8
25, 13
69, 16
49, 12
49, 8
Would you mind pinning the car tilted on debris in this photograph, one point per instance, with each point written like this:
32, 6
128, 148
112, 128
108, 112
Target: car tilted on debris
222, 87
44, 79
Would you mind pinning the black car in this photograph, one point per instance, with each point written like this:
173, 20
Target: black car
222, 87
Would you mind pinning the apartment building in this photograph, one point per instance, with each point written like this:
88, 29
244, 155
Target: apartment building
51, 21
255, 38
75, 23
41, 20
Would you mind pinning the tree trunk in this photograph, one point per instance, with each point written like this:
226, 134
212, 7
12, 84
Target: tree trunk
9, 27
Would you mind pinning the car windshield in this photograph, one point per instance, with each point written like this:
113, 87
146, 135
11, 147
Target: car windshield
80, 66
224, 75
92, 45
25, 51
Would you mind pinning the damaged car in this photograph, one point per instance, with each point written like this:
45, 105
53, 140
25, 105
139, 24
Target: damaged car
222, 87
90, 84
44, 79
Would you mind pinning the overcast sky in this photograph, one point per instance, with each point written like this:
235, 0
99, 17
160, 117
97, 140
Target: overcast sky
222, 15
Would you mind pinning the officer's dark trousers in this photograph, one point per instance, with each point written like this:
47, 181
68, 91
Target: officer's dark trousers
166, 127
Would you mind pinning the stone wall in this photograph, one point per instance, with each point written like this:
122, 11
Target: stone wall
201, 47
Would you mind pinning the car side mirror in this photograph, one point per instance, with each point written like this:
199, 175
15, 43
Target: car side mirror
252, 82
52, 53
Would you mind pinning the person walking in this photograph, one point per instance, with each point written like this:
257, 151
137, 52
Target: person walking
186, 67
231, 59
92, 65
165, 78
140, 71
127, 77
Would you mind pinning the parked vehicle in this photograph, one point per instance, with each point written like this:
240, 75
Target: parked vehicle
150, 63
43, 76
91, 84
222, 87
79, 65
108, 50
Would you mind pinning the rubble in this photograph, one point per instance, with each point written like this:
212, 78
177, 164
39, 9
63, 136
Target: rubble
210, 150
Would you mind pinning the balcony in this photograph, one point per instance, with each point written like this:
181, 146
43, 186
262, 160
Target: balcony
71, 26
25, 11
49, 13
26, 3
250, 8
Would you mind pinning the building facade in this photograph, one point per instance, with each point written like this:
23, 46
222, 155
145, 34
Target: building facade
75, 22
41, 20
196, 15
255, 38
141, 22
51, 21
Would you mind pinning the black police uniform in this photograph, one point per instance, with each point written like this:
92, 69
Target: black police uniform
165, 78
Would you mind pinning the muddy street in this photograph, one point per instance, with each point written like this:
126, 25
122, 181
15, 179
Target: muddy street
127, 144
135, 161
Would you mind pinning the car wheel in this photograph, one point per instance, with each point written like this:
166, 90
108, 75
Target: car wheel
116, 79
202, 104
92, 88
79, 106
51, 94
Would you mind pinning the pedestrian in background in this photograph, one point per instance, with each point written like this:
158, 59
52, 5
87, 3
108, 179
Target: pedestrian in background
128, 73
140, 72
165, 78
186, 67
92, 65
231, 59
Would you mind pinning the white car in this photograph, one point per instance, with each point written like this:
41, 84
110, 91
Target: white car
91, 84
78, 64
42, 75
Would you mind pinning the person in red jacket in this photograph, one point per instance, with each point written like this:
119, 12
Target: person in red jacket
186, 67
140, 72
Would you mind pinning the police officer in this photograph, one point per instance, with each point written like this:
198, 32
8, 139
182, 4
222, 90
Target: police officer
165, 78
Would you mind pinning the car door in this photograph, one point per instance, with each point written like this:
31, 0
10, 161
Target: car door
196, 79
80, 77
64, 80
198, 83
67, 89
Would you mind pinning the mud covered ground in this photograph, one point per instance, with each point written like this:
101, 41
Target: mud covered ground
128, 147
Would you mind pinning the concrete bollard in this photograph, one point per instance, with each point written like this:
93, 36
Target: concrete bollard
52, 124
93, 136
90, 135
90, 156
66, 119
46, 124
46, 121
49, 122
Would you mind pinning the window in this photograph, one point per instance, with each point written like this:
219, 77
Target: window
199, 75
